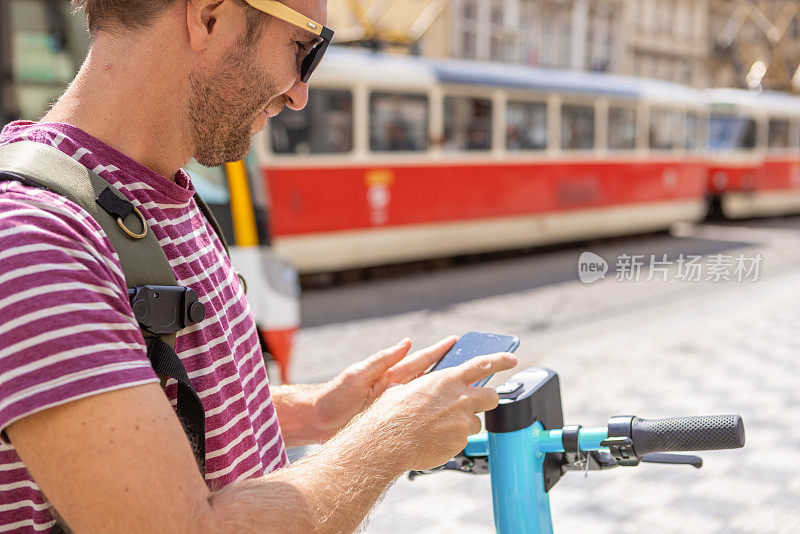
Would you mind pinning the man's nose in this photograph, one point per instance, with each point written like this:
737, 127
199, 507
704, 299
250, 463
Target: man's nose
297, 96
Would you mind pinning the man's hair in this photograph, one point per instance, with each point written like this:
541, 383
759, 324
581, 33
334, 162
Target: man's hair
137, 14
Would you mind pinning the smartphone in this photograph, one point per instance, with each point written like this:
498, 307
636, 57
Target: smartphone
474, 344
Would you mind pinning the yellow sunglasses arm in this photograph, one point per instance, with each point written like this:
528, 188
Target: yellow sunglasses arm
287, 14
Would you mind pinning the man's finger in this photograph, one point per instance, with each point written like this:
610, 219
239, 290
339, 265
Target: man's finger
483, 399
414, 365
476, 426
483, 366
376, 365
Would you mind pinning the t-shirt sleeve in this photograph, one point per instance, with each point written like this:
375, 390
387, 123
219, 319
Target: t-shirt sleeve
66, 327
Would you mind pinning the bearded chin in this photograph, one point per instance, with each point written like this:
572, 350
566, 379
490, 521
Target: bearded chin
225, 143
221, 127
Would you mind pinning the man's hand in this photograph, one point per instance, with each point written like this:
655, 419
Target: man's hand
359, 385
428, 420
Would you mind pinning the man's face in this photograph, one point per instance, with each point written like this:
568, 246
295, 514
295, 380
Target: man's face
253, 81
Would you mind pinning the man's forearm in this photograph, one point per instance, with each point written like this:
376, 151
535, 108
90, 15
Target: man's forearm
329, 491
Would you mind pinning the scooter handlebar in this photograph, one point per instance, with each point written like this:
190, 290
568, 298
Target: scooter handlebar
699, 433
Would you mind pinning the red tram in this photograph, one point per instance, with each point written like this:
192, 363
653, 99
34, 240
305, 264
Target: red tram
398, 159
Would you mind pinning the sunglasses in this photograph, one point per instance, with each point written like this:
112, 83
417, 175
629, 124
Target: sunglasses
287, 14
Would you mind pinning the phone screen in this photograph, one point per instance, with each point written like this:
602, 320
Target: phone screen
475, 344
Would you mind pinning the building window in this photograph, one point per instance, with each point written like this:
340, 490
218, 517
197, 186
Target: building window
469, 30
526, 126
564, 58
497, 34
530, 30
324, 126
621, 128
577, 127
398, 122
467, 123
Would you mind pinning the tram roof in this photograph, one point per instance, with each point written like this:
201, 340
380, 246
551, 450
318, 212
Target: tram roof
390, 69
769, 102
348, 66
562, 81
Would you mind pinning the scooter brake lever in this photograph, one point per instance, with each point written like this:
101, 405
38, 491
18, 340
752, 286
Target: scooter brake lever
683, 459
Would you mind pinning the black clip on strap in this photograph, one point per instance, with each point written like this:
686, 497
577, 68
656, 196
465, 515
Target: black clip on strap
119, 208
113, 205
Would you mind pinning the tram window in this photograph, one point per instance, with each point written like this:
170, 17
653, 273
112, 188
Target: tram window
398, 122
324, 126
794, 136
665, 129
577, 127
726, 132
526, 126
621, 128
779, 133
209, 182
467, 123
694, 131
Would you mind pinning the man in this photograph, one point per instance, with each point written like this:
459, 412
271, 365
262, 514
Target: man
87, 433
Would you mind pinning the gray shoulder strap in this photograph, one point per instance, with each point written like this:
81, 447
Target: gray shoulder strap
143, 260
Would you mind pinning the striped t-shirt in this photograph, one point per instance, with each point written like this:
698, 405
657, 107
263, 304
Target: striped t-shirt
67, 330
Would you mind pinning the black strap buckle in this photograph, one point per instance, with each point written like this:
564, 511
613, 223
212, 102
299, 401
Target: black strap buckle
163, 310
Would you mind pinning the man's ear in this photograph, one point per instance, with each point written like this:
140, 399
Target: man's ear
202, 17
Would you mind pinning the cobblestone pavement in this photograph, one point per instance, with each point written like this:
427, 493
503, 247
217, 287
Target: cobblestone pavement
654, 349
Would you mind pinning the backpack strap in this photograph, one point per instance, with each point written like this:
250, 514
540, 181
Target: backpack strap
141, 256
44, 166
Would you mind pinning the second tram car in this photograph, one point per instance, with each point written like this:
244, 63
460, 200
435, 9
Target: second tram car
754, 153
398, 159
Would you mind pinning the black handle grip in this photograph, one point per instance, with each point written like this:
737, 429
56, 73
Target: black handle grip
700, 433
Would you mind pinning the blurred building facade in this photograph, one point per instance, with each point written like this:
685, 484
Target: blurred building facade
668, 39
756, 43
696, 42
